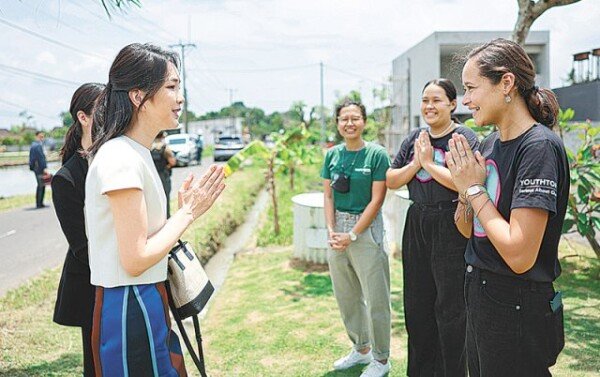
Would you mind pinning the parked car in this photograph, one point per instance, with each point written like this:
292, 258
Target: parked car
227, 146
200, 147
184, 147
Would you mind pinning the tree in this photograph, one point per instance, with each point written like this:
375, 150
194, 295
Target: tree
67, 119
110, 6
583, 208
529, 11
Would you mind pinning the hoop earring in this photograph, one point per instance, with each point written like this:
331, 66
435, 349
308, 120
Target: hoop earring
507, 98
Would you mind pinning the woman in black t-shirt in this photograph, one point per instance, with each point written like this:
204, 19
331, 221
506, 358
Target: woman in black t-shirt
432, 248
513, 203
75, 297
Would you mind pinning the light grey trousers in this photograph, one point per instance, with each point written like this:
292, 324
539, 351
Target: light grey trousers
361, 285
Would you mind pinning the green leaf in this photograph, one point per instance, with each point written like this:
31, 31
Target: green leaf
583, 193
596, 222
567, 225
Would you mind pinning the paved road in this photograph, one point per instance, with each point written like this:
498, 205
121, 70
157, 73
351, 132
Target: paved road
31, 240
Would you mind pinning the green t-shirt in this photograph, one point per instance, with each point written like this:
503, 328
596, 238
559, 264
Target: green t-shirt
364, 166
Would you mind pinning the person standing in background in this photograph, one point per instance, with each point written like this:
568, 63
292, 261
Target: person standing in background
75, 297
164, 160
354, 186
39, 166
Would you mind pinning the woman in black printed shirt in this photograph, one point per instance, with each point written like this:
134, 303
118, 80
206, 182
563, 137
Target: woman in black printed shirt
432, 248
513, 202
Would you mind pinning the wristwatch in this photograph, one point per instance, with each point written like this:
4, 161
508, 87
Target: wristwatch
475, 190
353, 236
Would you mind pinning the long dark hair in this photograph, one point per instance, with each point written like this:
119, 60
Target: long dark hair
449, 89
501, 56
137, 66
83, 99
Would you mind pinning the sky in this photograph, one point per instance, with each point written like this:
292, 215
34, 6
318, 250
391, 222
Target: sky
265, 53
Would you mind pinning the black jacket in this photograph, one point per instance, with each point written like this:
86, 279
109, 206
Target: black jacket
75, 297
37, 158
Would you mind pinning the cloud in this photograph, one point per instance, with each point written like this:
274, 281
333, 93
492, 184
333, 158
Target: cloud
359, 38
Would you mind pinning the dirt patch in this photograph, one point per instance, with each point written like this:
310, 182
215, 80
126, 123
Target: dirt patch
307, 266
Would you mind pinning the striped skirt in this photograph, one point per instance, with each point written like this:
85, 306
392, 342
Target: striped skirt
131, 334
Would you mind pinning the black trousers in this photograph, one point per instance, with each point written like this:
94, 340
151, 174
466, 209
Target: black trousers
40, 190
88, 356
511, 328
434, 306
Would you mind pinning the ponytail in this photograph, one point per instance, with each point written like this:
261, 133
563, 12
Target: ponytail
112, 117
501, 56
542, 105
72, 142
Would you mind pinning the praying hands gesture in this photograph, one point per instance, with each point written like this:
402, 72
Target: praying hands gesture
467, 168
424, 150
197, 196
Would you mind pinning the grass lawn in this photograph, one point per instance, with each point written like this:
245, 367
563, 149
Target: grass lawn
307, 180
19, 201
275, 318
22, 157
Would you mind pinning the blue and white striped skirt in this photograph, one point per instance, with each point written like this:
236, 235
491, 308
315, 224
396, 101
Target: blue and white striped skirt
131, 334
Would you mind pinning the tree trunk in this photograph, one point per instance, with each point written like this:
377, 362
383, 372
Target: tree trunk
592, 240
272, 189
292, 173
529, 11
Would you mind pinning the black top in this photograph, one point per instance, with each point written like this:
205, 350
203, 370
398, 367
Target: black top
423, 188
75, 298
531, 171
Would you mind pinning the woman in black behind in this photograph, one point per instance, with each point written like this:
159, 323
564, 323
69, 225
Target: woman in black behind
75, 297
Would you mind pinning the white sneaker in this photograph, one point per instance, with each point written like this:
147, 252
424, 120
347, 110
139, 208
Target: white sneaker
352, 359
376, 369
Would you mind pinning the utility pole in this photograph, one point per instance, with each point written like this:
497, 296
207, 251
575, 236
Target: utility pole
182, 46
323, 133
232, 117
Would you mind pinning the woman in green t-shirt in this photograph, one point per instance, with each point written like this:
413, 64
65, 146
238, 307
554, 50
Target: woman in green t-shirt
354, 185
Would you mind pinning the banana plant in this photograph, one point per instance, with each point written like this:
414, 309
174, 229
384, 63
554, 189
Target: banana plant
583, 210
290, 150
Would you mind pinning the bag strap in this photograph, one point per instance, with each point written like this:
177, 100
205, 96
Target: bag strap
199, 361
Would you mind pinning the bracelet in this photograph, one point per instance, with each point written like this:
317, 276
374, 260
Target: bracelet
483, 205
471, 197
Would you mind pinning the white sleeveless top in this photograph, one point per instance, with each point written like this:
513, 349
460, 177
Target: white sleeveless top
121, 163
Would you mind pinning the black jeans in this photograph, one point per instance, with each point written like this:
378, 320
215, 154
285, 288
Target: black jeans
511, 329
433, 265
40, 190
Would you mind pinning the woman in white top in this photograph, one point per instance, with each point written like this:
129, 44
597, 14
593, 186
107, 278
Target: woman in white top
129, 235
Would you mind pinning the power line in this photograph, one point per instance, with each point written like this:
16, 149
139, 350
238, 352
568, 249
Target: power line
355, 75
253, 70
26, 73
50, 40
24, 109
58, 19
103, 19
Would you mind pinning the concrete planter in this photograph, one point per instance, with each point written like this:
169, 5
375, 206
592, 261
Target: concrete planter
310, 230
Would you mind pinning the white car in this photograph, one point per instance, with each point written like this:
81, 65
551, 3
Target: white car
184, 147
227, 146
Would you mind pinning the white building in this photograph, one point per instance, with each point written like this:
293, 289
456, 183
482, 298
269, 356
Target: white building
439, 55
